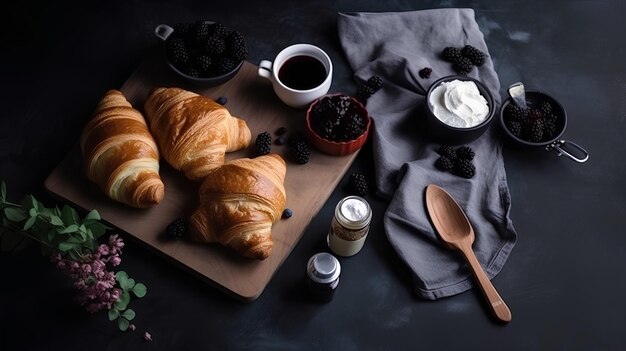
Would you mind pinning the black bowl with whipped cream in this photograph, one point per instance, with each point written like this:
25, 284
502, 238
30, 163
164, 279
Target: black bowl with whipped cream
459, 109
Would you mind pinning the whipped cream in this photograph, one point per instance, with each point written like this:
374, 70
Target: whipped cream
459, 104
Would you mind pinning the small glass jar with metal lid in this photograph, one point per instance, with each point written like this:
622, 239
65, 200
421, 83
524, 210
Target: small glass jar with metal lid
350, 226
323, 271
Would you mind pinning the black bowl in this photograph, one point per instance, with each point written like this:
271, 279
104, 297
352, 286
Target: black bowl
163, 31
447, 134
534, 100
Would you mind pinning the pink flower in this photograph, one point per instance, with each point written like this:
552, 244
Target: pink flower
115, 261
103, 250
147, 336
131, 327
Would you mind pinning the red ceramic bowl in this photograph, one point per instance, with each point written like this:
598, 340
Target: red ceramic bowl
337, 148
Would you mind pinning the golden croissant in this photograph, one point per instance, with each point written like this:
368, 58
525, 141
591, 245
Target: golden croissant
239, 202
120, 154
193, 131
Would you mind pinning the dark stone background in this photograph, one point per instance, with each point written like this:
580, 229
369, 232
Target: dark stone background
564, 281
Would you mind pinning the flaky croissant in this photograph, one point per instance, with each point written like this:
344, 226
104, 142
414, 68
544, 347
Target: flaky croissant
119, 153
239, 202
193, 131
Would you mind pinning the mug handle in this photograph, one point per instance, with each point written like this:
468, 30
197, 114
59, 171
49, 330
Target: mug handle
163, 31
560, 145
265, 69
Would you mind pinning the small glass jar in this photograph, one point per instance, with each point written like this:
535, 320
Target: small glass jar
350, 226
323, 271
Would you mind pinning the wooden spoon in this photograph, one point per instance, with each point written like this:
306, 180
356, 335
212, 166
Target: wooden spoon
456, 231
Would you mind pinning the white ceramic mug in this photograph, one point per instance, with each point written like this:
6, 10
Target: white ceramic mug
293, 96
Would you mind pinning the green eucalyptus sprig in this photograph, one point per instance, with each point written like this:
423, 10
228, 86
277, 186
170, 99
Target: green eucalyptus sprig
70, 239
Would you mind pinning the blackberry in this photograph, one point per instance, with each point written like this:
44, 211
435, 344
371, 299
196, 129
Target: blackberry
476, 56
236, 46
325, 129
202, 31
463, 66
546, 108
447, 151
301, 151
425, 72
225, 65
323, 106
444, 163
191, 71
464, 168
177, 228
177, 51
342, 105
515, 113
534, 113
515, 128
204, 64
217, 29
287, 213
263, 144
451, 54
357, 184
364, 92
355, 126
549, 129
534, 131
465, 152
375, 82
214, 46
222, 100
183, 29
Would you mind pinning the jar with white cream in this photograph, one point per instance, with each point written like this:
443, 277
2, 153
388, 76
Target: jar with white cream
350, 226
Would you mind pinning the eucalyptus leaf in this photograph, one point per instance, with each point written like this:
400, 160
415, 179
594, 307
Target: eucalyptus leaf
98, 229
51, 234
3, 191
121, 275
113, 313
56, 221
33, 212
93, 215
34, 202
66, 215
29, 223
129, 284
129, 314
14, 214
69, 229
140, 290
123, 323
123, 301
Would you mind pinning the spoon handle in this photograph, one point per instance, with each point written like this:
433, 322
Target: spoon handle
497, 305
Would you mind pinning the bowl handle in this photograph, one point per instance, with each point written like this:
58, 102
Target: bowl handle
163, 31
560, 147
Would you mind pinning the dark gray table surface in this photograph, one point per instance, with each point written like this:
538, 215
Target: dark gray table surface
564, 281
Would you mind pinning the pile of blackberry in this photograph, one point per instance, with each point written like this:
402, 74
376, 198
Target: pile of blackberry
365, 91
463, 59
458, 161
357, 184
534, 124
203, 49
336, 118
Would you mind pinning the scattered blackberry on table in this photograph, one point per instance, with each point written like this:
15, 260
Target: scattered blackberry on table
464, 168
463, 66
222, 100
357, 184
465, 152
476, 56
447, 151
451, 54
287, 213
301, 151
444, 163
425, 72
364, 92
263, 144
177, 228
375, 82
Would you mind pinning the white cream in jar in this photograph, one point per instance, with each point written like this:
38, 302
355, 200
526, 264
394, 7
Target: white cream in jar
459, 104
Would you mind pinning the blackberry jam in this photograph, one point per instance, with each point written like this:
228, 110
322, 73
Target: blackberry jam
323, 271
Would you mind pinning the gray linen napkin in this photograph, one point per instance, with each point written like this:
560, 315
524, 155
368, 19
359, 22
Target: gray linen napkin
396, 46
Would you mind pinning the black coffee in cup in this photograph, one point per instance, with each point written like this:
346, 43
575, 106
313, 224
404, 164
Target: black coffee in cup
302, 72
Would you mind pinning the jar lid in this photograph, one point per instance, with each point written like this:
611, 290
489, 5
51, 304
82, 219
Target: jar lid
323, 268
353, 212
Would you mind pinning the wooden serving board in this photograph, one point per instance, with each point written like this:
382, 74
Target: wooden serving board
307, 186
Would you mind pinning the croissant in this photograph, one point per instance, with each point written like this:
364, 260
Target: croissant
119, 153
239, 202
193, 131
